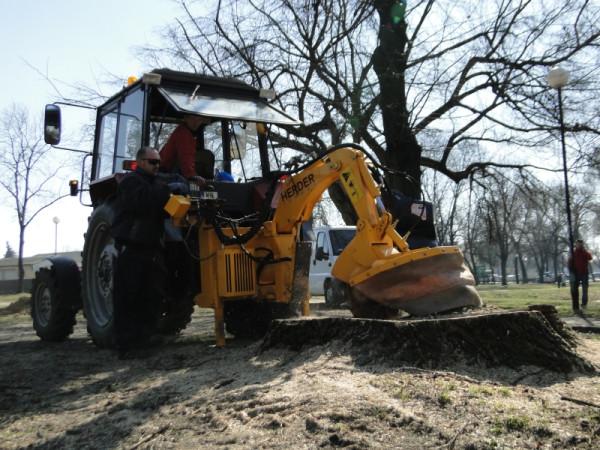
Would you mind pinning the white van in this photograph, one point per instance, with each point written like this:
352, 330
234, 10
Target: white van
328, 244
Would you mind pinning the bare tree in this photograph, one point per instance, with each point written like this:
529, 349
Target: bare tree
445, 195
370, 72
25, 171
10, 253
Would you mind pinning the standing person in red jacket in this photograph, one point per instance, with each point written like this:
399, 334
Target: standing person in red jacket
578, 269
178, 154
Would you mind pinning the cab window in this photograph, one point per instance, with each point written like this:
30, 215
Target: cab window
106, 144
130, 127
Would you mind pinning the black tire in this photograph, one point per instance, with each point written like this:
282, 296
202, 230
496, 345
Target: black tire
97, 274
54, 300
178, 305
364, 308
176, 314
335, 292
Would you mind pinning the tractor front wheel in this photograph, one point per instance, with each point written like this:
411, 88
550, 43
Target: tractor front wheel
55, 300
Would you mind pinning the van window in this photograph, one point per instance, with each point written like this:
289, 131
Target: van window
321, 241
340, 239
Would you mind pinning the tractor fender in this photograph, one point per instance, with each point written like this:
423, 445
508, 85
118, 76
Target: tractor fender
68, 278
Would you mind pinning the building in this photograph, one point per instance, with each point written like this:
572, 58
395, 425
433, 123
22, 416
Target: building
9, 270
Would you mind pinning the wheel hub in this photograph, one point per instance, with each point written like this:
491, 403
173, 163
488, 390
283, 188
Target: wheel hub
44, 306
105, 271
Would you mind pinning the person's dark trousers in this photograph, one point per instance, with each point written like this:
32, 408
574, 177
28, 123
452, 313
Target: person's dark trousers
179, 265
575, 280
138, 291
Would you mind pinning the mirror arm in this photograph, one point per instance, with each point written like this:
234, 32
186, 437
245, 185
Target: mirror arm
75, 105
71, 149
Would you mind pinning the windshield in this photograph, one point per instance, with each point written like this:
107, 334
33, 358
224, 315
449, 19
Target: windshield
340, 239
253, 110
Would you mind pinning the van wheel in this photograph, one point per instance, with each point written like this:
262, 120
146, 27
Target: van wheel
335, 292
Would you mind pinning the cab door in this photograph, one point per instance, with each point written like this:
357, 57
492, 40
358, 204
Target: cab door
321, 262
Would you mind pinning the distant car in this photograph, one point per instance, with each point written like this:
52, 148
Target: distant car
549, 278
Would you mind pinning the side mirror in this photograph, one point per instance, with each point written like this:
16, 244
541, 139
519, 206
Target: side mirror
52, 124
321, 255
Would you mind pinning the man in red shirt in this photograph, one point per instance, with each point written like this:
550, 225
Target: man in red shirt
178, 154
578, 268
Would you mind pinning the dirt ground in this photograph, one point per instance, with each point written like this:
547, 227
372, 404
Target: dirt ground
189, 394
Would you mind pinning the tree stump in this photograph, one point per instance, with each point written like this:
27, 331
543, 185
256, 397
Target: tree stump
550, 313
510, 339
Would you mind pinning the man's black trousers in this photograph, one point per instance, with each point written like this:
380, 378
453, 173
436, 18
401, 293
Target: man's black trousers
138, 293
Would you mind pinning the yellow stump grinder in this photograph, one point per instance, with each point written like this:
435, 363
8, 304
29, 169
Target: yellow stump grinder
242, 241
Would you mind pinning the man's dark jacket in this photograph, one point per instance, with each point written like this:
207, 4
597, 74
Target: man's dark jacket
139, 215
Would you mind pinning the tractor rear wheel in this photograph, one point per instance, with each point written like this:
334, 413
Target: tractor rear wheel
176, 314
99, 255
54, 301
178, 305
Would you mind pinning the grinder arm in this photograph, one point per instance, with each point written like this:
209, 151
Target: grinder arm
378, 262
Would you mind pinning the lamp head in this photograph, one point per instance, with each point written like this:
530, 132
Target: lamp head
557, 77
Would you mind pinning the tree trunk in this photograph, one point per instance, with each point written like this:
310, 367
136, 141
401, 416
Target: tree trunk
20, 283
503, 265
403, 152
523, 269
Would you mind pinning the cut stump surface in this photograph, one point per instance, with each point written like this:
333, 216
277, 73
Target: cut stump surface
510, 339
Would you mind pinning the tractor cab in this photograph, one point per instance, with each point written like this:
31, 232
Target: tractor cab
147, 111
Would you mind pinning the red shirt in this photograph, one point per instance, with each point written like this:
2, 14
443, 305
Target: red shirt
581, 257
179, 152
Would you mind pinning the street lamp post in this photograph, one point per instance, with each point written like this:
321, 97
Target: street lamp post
56, 220
557, 79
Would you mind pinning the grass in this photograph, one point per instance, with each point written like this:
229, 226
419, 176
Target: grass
444, 398
519, 296
510, 424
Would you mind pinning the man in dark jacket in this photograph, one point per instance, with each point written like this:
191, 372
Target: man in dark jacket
578, 268
138, 230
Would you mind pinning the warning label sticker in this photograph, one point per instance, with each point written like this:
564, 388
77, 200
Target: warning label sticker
352, 187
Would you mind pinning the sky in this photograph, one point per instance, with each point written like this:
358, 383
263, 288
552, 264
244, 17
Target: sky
73, 41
